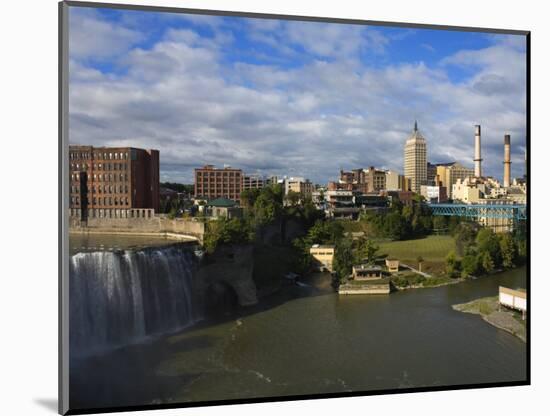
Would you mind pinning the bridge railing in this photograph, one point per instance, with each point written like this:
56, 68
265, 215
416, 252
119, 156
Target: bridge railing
501, 211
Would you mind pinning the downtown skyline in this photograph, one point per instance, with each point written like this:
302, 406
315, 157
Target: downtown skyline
291, 98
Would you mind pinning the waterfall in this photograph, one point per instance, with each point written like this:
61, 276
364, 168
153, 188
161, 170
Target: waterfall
120, 297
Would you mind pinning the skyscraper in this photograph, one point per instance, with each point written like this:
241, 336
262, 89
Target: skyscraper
415, 166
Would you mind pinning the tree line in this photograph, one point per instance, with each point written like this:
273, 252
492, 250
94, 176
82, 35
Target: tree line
480, 250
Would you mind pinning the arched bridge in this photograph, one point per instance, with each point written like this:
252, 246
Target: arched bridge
501, 211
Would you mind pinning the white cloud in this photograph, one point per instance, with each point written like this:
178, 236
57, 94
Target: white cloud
93, 37
180, 97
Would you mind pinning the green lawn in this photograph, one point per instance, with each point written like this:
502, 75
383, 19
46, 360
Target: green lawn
433, 250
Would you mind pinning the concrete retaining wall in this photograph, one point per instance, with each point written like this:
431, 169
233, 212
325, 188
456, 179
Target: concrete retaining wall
154, 224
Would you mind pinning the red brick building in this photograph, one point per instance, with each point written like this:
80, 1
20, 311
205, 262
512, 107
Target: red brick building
212, 183
113, 178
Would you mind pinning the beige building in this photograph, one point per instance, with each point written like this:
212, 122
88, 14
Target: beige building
449, 173
375, 179
300, 185
392, 265
468, 190
415, 164
323, 256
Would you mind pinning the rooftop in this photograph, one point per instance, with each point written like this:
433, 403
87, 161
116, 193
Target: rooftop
372, 267
221, 202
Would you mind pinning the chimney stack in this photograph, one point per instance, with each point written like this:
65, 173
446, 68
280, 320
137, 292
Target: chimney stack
507, 161
477, 152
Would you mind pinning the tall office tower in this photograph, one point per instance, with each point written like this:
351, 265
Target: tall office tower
415, 165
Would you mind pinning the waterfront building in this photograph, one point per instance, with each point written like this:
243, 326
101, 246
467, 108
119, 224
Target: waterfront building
366, 272
513, 299
415, 164
323, 256
449, 173
103, 179
212, 183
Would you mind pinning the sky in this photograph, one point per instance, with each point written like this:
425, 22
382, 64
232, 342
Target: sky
278, 97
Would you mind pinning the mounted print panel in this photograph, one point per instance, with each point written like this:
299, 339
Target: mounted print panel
260, 208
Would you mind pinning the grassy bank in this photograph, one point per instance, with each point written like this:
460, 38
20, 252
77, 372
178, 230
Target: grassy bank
414, 281
433, 249
505, 319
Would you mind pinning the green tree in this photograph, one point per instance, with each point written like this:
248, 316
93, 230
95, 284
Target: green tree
470, 265
486, 261
325, 232
452, 264
507, 250
395, 226
365, 250
439, 223
293, 198
268, 206
343, 259
225, 232
465, 235
488, 242
248, 197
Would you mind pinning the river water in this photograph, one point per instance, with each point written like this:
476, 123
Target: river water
306, 340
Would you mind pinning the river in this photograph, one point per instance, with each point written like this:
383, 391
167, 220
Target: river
307, 339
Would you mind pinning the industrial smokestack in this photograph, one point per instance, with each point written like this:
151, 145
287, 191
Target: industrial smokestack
477, 152
507, 161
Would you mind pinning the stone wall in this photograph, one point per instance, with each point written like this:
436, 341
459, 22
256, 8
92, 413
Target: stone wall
154, 224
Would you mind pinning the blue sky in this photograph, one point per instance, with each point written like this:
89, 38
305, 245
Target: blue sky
287, 97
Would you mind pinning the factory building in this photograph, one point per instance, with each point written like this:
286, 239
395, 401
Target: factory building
106, 180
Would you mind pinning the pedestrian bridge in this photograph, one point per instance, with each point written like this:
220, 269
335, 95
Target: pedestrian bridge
502, 211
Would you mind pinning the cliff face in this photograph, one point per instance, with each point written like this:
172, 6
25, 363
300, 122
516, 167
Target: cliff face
228, 272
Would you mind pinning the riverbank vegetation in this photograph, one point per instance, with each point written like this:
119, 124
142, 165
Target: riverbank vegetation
479, 250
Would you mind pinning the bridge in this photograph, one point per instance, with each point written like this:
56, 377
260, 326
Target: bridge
500, 211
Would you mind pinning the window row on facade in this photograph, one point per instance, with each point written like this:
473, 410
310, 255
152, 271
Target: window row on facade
99, 166
107, 177
122, 201
218, 175
98, 155
106, 189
